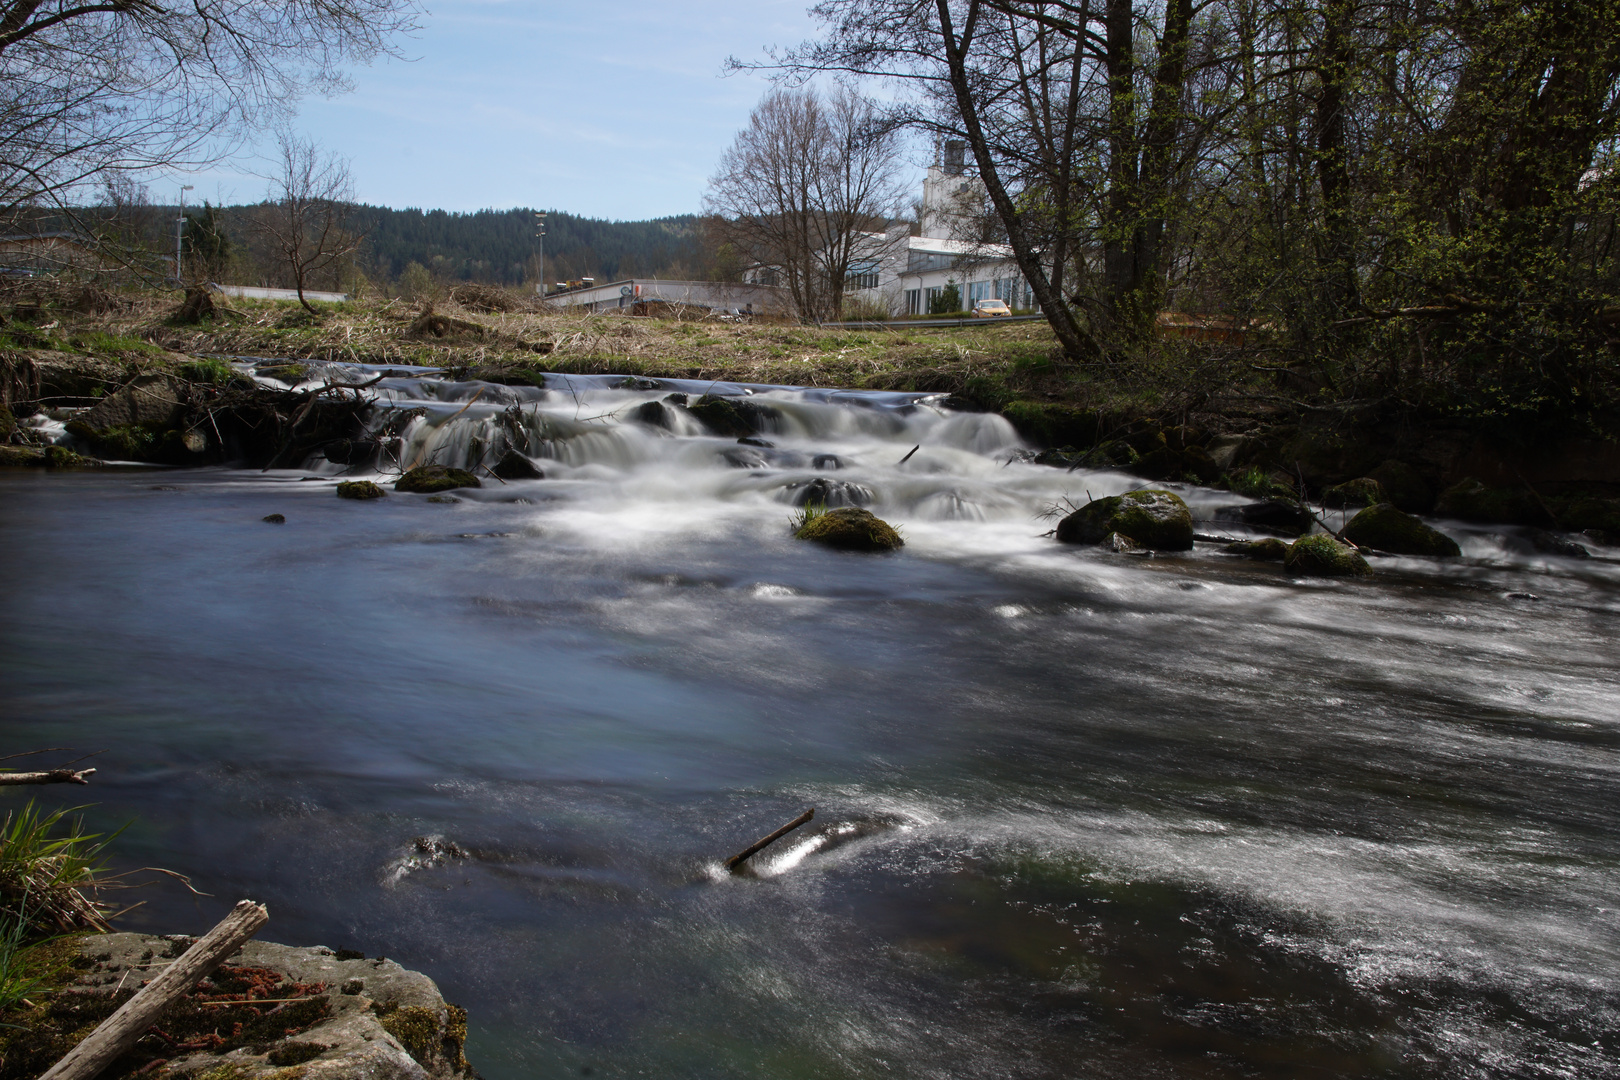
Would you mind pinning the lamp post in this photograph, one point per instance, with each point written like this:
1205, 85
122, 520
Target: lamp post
179, 228
540, 232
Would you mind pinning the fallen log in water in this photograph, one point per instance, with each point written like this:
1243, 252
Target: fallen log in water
116, 1034
50, 776
765, 841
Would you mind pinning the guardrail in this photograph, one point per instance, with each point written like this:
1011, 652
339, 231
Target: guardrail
901, 324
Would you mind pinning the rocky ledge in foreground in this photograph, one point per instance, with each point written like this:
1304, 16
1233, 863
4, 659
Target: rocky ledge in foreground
271, 1011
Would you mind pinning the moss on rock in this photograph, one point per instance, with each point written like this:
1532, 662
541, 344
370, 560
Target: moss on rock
359, 489
1154, 519
1362, 491
849, 528
1267, 550
1319, 555
427, 479
1403, 487
1387, 529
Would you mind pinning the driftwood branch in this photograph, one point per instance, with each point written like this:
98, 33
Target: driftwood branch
765, 841
51, 776
118, 1032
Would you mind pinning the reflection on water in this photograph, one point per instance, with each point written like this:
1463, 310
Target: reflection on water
1077, 814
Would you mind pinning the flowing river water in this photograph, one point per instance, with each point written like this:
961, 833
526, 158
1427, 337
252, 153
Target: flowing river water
1078, 814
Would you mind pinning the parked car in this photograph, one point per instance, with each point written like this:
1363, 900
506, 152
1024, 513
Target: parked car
989, 309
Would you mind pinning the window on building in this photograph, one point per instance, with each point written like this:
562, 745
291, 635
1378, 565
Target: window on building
930, 295
914, 301
978, 290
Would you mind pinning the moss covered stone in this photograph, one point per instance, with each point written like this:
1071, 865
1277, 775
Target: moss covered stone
359, 489
1404, 487
851, 529
1320, 555
427, 479
733, 416
1267, 550
1473, 500
1362, 491
1154, 519
1387, 529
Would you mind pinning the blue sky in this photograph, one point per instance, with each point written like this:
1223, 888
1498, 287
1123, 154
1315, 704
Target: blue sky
613, 111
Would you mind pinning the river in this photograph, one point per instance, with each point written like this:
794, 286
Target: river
1077, 813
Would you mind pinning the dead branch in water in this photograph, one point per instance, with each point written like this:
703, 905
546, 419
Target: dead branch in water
765, 841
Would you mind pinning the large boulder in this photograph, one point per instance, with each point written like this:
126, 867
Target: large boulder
1387, 529
1281, 516
516, 466
339, 1016
1320, 555
734, 416
1472, 500
851, 529
155, 402
1404, 487
1362, 491
427, 479
1154, 519
360, 490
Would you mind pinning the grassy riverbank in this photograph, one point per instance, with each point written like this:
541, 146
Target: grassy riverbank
1286, 429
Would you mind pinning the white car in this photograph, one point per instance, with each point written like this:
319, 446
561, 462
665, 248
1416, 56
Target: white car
989, 309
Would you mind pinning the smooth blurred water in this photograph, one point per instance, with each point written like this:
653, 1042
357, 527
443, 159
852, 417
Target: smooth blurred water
1077, 814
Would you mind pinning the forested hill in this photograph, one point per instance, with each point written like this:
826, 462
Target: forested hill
499, 246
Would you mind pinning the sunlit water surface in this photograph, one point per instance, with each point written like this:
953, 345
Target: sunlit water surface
1077, 814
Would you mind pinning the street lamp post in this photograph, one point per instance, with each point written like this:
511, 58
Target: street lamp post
540, 222
179, 228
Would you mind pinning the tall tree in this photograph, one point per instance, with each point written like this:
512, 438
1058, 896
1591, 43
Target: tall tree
305, 219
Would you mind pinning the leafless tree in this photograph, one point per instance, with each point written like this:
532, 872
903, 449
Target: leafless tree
305, 219
807, 190
90, 88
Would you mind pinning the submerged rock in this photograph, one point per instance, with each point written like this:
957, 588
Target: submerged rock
514, 466
1387, 529
850, 529
1267, 550
734, 416
1154, 519
1279, 516
1362, 491
828, 493
359, 489
427, 479
343, 1016
1320, 555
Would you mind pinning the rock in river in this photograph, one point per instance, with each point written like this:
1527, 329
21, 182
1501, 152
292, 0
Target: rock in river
1320, 555
1268, 550
427, 479
359, 489
852, 529
1155, 519
1387, 529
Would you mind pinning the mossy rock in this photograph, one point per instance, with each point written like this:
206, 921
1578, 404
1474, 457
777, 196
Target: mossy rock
427, 479
1267, 550
1159, 463
1053, 424
850, 528
1472, 500
1319, 555
359, 489
1155, 519
733, 416
1362, 491
1403, 486
1584, 512
1387, 529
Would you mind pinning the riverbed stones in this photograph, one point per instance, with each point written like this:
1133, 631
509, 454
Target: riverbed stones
352, 1017
1155, 519
1362, 491
359, 489
1387, 529
850, 528
428, 479
1320, 555
1268, 550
